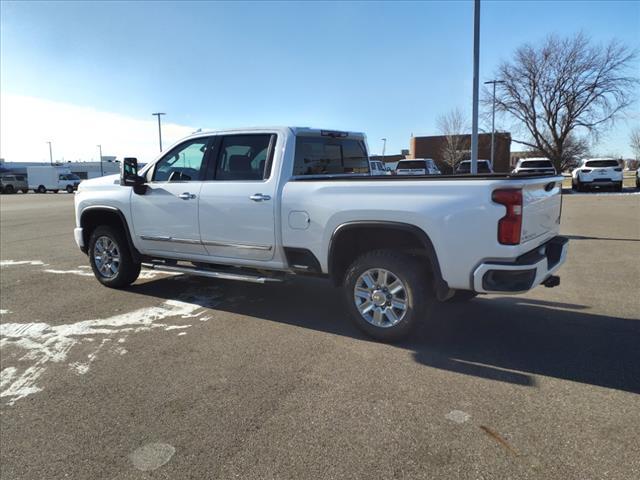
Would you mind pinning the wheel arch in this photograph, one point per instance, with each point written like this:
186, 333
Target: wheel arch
355, 238
94, 216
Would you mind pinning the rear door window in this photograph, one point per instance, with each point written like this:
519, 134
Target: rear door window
245, 157
602, 163
330, 156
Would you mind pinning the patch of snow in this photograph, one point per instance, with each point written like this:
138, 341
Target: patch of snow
8, 263
81, 273
46, 344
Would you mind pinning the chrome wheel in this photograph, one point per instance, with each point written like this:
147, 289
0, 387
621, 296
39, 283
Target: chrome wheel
106, 257
380, 297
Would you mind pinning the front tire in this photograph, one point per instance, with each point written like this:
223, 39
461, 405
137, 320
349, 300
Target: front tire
387, 293
69, 189
41, 189
9, 189
111, 259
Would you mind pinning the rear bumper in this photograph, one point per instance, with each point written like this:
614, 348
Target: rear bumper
598, 180
528, 270
601, 181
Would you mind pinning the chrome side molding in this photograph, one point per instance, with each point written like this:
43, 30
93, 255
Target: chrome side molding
245, 246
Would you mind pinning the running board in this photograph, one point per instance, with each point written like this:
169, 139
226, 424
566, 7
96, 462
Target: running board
210, 273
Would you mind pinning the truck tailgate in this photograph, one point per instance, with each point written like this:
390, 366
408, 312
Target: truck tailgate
542, 204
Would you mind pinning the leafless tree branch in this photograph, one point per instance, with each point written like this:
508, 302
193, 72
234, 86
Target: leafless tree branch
564, 90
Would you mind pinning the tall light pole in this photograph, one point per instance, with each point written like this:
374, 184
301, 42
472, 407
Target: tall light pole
50, 154
384, 147
158, 114
493, 116
101, 170
476, 61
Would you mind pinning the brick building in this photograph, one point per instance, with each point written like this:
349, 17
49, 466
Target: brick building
432, 147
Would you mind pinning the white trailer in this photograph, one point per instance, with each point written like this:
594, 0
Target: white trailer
52, 179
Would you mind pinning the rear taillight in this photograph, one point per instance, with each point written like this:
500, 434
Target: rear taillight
586, 170
509, 226
618, 169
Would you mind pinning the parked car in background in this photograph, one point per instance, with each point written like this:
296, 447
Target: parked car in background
377, 168
535, 165
597, 172
258, 205
417, 166
10, 183
484, 166
52, 179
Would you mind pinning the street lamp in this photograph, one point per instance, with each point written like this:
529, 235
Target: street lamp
101, 170
384, 146
493, 115
476, 62
50, 154
158, 114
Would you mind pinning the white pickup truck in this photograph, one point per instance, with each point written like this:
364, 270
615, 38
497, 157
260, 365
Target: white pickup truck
263, 204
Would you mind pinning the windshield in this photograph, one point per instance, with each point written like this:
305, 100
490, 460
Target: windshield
329, 156
536, 164
602, 163
412, 164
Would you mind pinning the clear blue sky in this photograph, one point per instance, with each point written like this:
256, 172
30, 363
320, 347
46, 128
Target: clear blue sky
388, 69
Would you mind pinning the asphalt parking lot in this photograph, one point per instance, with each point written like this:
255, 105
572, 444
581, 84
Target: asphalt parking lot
180, 377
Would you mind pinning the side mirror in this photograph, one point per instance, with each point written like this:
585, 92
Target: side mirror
129, 175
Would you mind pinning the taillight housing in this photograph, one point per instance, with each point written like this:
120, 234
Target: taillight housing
619, 169
509, 226
586, 170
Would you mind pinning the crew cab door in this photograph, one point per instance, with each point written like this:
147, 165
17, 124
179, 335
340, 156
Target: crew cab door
165, 217
237, 202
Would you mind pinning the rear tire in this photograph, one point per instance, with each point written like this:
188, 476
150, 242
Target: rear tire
69, 189
619, 187
41, 189
25, 190
387, 293
111, 259
9, 189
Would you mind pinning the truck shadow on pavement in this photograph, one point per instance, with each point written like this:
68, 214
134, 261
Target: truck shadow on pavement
506, 339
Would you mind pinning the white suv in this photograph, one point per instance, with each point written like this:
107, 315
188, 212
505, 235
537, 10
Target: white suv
535, 165
484, 166
377, 168
597, 172
417, 166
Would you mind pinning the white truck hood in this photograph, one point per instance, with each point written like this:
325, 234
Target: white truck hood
100, 182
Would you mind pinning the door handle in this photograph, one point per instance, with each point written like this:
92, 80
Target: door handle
258, 197
187, 196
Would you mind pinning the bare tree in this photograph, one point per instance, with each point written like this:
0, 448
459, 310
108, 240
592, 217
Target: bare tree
635, 142
563, 91
453, 126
